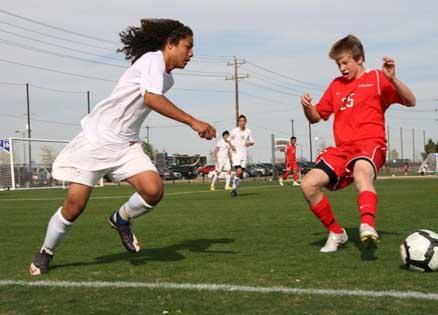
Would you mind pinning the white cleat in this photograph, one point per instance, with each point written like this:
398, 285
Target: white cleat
280, 181
296, 184
368, 235
334, 240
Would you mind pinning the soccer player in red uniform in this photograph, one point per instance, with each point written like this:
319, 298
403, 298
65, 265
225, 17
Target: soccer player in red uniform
290, 162
358, 100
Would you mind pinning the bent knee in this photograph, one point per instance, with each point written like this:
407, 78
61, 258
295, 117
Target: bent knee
152, 194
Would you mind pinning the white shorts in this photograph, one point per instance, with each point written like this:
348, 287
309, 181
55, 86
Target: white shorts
239, 160
223, 165
86, 163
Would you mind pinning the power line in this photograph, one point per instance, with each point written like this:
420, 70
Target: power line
55, 27
264, 87
53, 36
43, 120
284, 76
59, 46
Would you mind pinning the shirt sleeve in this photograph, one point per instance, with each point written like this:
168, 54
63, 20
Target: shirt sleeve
325, 104
152, 75
387, 92
250, 138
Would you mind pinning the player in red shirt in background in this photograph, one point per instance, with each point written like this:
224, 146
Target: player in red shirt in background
290, 162
358, 100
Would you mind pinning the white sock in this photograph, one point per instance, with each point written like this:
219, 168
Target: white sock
134, 207
213, 179
57, 228
227, 179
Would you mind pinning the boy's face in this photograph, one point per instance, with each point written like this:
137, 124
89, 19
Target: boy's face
242, 122
349, 67
226, 136
182, 52
293, 141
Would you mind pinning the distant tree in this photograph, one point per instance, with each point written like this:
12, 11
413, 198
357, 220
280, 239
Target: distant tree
393, 154
48, 154
148, 148
430, 147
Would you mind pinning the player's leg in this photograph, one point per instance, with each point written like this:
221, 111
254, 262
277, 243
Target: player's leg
311, 185
295, 174
59, 224
214, 178
237, 179
285, 175
364, 175
227, 169
149, 191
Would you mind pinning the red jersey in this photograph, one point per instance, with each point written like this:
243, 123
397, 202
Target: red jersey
290, 153
358, 106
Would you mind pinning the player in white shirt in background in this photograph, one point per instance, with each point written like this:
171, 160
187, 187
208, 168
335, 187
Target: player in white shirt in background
222, 155
109, 143
240, 140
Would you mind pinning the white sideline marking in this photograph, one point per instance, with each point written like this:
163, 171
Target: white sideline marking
222, 287
127, 196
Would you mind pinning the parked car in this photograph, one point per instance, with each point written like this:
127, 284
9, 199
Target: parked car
167, 174
206, 169
187, 171
306, 167
251, 171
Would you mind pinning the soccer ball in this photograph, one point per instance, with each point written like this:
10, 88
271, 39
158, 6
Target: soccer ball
419, 251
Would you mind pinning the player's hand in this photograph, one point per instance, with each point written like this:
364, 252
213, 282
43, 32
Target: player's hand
204, 130
306, 100
388, 68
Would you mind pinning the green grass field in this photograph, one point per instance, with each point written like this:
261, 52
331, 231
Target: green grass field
266, 237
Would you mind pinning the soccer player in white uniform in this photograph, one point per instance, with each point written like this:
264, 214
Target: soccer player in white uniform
109, 142
240, 140
222, 155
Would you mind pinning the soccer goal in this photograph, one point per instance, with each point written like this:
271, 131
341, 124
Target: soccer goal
27, 163
430, 164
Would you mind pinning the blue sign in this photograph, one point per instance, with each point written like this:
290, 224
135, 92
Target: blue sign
4, 144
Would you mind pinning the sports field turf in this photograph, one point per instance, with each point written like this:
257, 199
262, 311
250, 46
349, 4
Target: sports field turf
266, 237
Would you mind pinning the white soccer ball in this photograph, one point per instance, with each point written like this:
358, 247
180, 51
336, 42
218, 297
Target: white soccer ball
419, 251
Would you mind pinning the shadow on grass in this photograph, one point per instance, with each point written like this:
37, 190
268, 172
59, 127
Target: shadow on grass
247, 194
367, 253
168, 253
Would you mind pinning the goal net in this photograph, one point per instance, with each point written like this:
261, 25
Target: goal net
27, 163
430, 164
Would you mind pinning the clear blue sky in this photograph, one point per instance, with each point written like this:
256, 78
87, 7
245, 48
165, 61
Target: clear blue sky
288, 37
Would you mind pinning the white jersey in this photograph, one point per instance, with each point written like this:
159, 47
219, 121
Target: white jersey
222, 150
240, 138
117, 120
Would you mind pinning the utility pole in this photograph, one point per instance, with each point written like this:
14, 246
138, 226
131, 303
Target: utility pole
236, 62
413, 145
389, 143
401, 142
29, 130
424, 139
310, 141
293, 130
88, 102
147, 133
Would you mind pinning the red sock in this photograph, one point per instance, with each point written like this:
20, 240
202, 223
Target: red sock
295, 176
286, 175
324, 213
367, 202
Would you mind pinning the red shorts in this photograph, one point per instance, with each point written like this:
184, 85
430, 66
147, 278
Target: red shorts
338, 162
292, 165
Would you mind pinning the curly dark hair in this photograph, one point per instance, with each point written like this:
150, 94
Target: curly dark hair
152, 35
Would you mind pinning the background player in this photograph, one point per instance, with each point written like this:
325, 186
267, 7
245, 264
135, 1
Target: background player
240, 140
222, 155
358, 100
109, 142
290, 162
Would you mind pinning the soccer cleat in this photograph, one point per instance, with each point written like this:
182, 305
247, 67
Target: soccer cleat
40, 263
212, 188
334, 241
280, 181
227, 187
234, 193
129, 241
368, 235
296, 184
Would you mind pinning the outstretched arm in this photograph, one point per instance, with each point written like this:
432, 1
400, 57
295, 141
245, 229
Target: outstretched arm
406, 95
162, 105
309, 110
